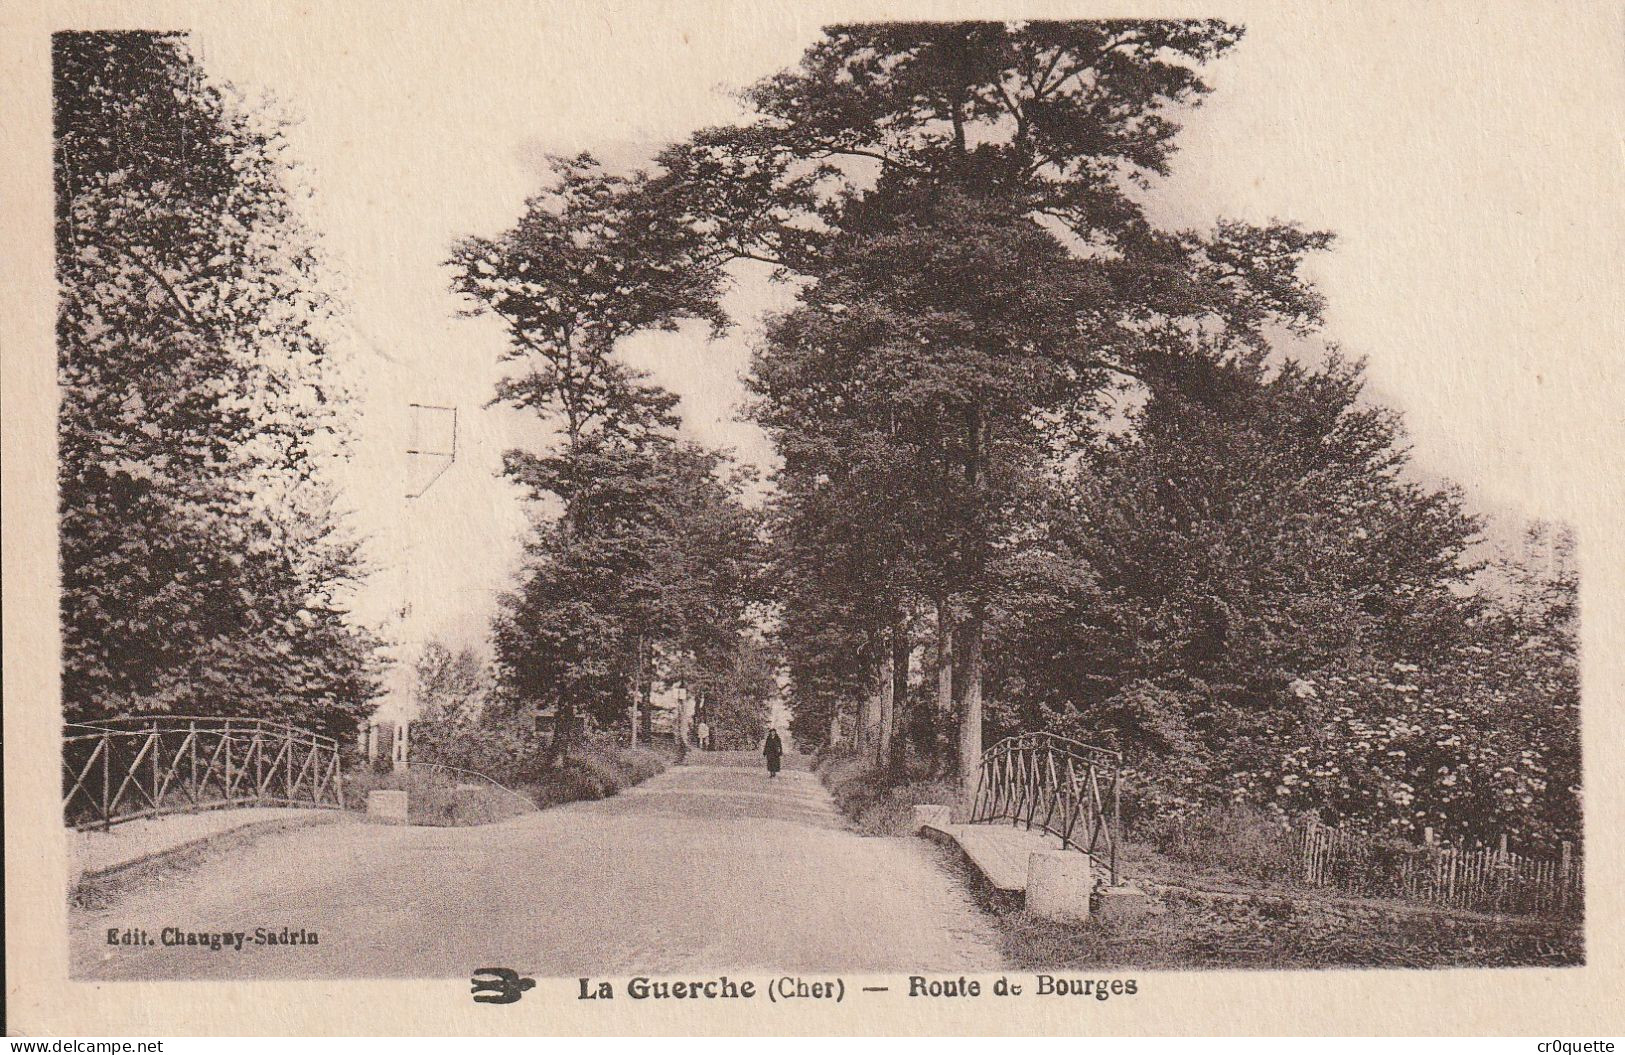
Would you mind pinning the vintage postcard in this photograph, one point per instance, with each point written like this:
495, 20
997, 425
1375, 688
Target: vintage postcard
539, 517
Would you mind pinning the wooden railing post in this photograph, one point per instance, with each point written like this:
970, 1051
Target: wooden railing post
107, 781
1117, 818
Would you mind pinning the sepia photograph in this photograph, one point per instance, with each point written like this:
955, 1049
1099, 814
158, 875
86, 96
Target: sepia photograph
686, 508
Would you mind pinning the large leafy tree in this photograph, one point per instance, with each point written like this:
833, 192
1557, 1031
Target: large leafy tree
1251, 592
737, 713
1253, 525
561, 637
902, 394
579, 271
707, 575
204, 568
587, 264
650, 569
970, 188
831, 604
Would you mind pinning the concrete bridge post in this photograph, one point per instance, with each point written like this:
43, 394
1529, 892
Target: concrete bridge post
1059, 885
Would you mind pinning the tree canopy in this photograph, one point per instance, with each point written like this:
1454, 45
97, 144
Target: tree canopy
205, 567
1045, 464
650, 561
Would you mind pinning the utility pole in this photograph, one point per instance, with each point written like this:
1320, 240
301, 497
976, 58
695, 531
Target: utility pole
442, 456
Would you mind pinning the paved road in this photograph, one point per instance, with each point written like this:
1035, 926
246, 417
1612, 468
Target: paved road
709, 866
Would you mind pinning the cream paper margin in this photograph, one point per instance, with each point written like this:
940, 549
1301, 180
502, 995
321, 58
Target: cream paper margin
1580, 296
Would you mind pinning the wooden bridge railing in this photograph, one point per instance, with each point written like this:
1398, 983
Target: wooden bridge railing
1066, 788
122, 768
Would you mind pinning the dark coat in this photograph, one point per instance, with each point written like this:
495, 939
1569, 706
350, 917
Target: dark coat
774, 750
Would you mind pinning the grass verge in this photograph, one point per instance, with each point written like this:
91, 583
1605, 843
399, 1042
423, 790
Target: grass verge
1274, 933
596, 769
875, 807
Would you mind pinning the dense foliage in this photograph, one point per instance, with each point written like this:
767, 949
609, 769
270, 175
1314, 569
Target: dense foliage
204, 568
642, 561
1060, 453
978, 276
1045, 465
1250, 582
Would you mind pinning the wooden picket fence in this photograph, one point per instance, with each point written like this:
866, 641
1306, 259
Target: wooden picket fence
1481, 878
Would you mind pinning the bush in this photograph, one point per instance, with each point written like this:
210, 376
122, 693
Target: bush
879, 808
596, 768
1235, 839
504, 751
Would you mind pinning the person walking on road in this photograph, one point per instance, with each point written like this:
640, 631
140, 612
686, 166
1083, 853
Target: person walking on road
774, 750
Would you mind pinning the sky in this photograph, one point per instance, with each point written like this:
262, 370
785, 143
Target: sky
1470, 269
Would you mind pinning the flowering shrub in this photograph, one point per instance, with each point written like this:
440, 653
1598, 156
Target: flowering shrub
1252, 597
1473, 749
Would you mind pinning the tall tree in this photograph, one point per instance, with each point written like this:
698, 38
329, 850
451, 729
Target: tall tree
910, 168
583, 268
706, 569
562, 637
650, 570
1255, 532
831, 603
204, 566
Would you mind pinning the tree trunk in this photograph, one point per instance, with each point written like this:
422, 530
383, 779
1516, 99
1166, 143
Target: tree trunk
970, 720
682, 724
883, 689
945, 663
637, 692
648, 716
869, 721
923, 732
969, 641
902, 652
